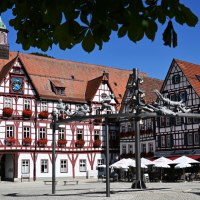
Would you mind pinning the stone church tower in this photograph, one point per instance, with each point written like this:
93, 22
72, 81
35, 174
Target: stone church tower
4, 48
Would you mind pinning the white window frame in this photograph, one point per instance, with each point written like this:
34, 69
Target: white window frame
25, 166
178, 121
100, 161
190, 139
43, 106
162, 141
61, 133
80, 133
9, 131
150, 147
196, 138
130, 148
82, 165
42, 133
123, 148
26, 132
44, 166
63, 166
8, 102
149, 124
96, 134
27, 104
143, 147
168, 141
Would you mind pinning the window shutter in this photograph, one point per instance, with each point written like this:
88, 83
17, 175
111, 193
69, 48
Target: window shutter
173, 79
159, 141
185, 139
158, 122
172, 121
172, 140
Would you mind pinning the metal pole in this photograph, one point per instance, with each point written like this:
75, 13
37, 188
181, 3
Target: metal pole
53, 158
107, 159
138, 183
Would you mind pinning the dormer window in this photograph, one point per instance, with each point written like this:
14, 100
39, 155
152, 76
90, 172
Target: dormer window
198, 77
176, 79
60, 91
58, 87
16, 70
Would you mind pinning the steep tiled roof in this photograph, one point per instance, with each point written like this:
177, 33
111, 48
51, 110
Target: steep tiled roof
191, 71
149, 85
79, 79
92, 87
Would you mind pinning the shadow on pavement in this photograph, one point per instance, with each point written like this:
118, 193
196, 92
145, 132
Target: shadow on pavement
84, 193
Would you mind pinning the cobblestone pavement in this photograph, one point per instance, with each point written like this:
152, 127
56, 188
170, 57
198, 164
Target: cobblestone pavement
92, 189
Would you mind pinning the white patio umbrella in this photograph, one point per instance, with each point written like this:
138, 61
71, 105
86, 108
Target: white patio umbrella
161, 163
120, 164
125, 163
132, 163
182, 166
162, 160
146, 161
184, 160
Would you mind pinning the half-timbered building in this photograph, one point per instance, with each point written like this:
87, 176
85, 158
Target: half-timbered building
30, 88
180, 136
147, 126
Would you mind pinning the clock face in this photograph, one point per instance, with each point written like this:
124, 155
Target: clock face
17, 84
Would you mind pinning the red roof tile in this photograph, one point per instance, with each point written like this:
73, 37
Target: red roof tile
190, 70
79, 79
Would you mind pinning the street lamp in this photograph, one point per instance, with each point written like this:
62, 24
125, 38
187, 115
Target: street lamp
136, 102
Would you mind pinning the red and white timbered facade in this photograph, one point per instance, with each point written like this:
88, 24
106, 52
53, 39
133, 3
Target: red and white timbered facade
26, 135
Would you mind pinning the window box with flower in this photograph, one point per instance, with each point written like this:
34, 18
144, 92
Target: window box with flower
80, 143
43, 114
42, 142
97, 143
27, 113
10, 141
62, 142
7, 112
97, 121
26, 141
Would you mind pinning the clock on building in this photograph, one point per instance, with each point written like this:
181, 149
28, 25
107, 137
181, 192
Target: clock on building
16, 84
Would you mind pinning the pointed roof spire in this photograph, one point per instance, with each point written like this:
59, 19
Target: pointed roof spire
2, 25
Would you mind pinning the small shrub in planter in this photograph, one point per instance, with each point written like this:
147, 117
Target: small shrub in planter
97, 143
7, 112
43, 114
27, 141
42, 142
62, 142
79, 143
27, 113
10, 140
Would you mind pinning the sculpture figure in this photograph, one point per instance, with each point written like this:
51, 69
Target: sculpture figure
106, 103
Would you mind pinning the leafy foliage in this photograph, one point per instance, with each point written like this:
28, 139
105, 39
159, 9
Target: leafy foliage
90, 22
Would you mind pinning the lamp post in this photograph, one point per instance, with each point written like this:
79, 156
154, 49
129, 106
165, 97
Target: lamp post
107, 159
136, 102
53, 153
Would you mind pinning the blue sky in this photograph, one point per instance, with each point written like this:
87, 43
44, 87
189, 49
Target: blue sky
151, 57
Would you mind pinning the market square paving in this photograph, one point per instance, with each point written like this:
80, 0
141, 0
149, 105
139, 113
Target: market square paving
94, 189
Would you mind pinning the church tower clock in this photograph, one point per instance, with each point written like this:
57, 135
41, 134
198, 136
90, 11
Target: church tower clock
4, 48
